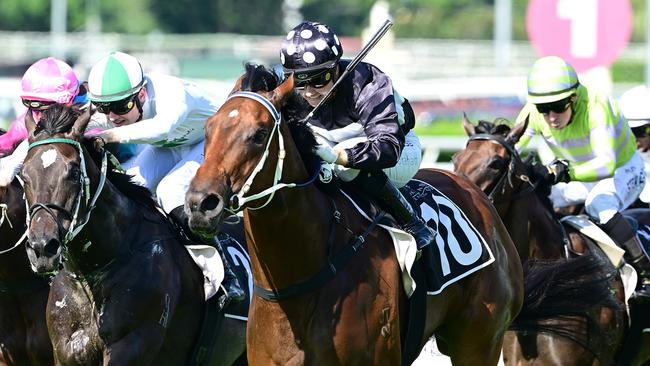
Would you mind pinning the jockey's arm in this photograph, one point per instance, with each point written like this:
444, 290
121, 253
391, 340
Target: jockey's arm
11, 165
17, 132
377, 110
604, 144
168, 115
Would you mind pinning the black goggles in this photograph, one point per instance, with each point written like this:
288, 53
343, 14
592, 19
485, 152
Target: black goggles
316, 79
119, 107
641, 131
37, 105
555, 107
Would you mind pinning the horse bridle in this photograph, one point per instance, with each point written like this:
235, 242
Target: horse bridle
84, 193
514, 158
508, 175
239, 199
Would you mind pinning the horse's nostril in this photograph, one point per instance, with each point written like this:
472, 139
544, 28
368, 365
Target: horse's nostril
210, 203
52, 247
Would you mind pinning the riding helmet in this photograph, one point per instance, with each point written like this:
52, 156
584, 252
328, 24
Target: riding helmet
551, 79
635, 106
50, 79
310, 46
115, 77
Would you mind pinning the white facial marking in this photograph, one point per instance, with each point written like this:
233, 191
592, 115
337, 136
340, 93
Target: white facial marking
233, 113
48, 157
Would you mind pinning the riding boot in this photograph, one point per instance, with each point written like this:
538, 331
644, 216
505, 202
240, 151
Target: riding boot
390, 199
231, 287
622, 232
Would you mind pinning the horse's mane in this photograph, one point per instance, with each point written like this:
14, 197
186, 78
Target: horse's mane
122, 181
56, 119
60, 119
261, 78
499, 127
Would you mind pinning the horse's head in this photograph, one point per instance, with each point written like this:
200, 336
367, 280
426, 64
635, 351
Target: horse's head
244, 150
490, 158
54, 176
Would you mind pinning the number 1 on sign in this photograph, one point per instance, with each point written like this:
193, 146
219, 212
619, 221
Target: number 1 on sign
583, 15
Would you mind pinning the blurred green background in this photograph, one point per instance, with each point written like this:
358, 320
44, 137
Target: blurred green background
209, 39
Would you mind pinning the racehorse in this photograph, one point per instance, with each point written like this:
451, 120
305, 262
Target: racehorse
591, 329
128, 293
327, 281
23, 294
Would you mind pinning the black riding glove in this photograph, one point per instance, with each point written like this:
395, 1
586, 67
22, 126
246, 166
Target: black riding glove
553, 173
560, 169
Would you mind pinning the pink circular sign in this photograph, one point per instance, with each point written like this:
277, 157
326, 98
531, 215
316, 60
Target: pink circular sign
586, 33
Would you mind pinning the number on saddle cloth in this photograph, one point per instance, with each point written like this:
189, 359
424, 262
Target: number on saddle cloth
459, 247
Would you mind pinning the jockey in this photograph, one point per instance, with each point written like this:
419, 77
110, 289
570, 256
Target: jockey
168, 115
46, 82
596, 160
635, 106
365, 128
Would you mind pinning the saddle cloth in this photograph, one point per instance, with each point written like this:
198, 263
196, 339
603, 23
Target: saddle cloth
209, 261
459, 249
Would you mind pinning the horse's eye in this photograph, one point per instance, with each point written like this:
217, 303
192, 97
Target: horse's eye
496, 164
260, 136
74, 174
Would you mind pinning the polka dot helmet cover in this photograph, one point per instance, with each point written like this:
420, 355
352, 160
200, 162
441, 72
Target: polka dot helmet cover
310, 46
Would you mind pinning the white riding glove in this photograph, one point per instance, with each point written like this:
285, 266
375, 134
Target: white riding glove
326, 153
324, 150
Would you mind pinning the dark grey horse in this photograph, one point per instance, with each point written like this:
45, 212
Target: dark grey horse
129, 292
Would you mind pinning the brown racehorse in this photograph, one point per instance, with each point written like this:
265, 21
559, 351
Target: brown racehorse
23, 294
129, 293
491, 161
357, 315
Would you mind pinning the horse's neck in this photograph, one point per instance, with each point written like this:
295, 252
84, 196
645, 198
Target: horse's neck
107, 231
294, 227
533, 227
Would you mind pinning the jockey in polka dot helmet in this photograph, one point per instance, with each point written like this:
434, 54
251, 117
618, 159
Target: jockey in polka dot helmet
311, 52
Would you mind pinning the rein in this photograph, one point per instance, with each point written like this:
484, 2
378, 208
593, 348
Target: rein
4, 208
84, 181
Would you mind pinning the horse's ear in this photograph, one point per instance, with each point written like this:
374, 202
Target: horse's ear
282, 92
80, 124
515, 134
237, 86
30, 124
470, 130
